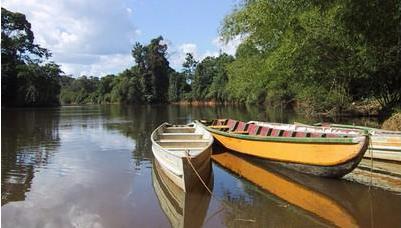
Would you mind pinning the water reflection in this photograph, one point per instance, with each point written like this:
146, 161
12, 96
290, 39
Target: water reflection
322, 201
28, 140
287, 190
183, 209
88, 166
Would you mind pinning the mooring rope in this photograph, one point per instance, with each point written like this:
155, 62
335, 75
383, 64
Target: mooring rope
370, 147
188, 157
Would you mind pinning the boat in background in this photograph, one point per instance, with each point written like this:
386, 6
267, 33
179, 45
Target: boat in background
384, 145
183, 152
183, 209
323, 154
290, 191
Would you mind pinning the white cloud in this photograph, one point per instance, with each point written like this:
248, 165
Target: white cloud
98, 65
229, 47
177, 56
99, 31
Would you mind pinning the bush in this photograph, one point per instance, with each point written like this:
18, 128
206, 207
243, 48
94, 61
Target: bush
393, 123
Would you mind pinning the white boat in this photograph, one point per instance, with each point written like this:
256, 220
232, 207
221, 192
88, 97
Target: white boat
385, 144
182, 149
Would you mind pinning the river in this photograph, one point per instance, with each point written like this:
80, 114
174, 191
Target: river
92, 166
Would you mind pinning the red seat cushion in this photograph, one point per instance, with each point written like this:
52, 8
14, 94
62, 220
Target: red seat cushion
241, 126
288, 134
300, 134
253, 129
232, 124
264, 131
276, 132
316, 135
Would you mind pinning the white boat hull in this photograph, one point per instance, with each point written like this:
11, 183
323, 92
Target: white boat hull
183, 152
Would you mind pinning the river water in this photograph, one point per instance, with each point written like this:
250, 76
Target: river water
92, 166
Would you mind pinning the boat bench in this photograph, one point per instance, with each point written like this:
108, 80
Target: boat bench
180, 136
182, 143
220, 126
179, 130
185, 148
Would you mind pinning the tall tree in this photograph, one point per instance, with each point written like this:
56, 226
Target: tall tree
20, 69
189, 66
154, 69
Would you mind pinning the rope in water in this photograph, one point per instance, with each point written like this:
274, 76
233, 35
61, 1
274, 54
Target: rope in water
188, 157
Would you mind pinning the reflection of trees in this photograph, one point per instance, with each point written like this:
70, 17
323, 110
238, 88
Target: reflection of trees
28, 139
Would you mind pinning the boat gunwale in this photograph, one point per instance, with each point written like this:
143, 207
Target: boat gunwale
352, 140
154, 143
372, 130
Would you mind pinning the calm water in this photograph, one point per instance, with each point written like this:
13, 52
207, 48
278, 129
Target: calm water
91, 166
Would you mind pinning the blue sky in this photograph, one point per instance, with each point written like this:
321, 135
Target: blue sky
93, 37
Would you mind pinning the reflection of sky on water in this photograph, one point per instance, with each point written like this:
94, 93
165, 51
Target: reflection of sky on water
89, 182
90, 166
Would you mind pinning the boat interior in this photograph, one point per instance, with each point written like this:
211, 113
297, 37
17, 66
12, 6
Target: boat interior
277, 130
183, 137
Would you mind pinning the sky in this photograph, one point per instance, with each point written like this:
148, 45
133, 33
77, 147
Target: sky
95, 37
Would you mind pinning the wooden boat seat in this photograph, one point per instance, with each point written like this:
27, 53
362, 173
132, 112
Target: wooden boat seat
220, 127
167, 144
183, 140
180, 136
179, 130
185, 148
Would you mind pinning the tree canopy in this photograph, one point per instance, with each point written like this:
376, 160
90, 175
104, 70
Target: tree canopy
312, 55
24, 82
321, 55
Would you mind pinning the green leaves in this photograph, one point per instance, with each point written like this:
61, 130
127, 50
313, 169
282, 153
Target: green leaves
342, 50
24, 81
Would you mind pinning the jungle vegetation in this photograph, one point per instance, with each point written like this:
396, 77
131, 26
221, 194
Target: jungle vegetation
315, 56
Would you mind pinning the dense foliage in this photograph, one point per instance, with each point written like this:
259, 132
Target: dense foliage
319, 55
152, 80
25, 80
146, 82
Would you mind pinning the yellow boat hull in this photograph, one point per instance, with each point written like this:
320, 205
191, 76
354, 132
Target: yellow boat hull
324, 154
330, 157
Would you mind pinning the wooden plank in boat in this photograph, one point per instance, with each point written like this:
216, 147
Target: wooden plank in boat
220, 126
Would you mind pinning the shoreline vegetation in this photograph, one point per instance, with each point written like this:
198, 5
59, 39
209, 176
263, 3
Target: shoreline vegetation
332, 58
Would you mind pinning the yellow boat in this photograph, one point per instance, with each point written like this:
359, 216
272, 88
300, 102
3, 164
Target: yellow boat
296, 194
321, 154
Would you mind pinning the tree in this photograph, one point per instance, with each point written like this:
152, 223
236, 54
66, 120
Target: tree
38, 85
153, 69
320, 54
24, 81
210, 78
189, 67
178, 87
